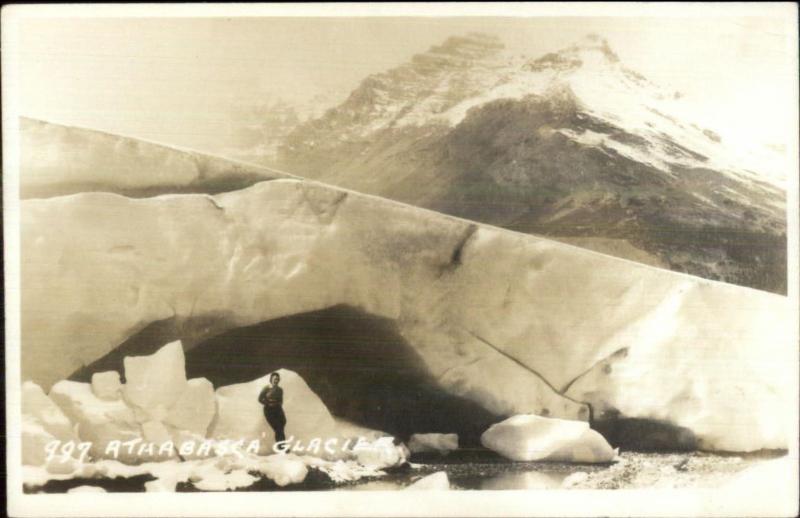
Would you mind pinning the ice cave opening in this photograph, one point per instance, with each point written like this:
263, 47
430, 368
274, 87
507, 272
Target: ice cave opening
357, 363
362, 369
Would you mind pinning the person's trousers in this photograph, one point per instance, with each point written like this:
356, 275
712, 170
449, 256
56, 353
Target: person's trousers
277, 420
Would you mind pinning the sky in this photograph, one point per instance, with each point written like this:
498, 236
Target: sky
176, 80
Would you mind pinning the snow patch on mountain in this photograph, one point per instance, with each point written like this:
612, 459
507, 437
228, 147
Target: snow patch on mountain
441, 86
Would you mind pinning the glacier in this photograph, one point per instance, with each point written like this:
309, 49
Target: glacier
59, 160
488, 310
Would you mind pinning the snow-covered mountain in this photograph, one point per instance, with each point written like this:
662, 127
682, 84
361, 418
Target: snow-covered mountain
572, 144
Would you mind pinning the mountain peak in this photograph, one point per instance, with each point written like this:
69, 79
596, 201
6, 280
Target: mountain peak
595, 43
442, 76
590, 48
474, 45
459, 51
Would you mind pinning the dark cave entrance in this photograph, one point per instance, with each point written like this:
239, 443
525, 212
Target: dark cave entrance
357, 363
360, 367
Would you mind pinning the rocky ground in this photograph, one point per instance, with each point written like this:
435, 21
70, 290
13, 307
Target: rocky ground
633, 470
470, 470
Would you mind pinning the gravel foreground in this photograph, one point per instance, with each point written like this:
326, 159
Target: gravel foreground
469, 471
633, 470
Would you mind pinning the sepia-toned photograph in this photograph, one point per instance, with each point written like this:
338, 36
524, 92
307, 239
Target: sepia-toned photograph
401, 259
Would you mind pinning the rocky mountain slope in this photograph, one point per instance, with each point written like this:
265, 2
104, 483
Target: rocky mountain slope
572, 145
510, 322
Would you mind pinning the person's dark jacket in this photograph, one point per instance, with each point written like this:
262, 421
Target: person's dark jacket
271, 396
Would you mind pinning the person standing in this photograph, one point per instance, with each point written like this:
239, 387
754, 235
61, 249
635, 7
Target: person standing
272, 399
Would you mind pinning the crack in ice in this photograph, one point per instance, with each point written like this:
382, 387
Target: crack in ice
532, 371
619, 352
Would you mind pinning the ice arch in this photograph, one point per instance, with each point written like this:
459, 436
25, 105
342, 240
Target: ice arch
511, 322
359, 365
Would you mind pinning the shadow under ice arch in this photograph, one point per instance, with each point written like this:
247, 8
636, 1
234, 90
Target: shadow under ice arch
359, 365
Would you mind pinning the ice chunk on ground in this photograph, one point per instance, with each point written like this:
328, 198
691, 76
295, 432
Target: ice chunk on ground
34, 442
190, 445
211, 479
154, 383
381, 453
230, 471
60, 465
156, 433
112, 469
42, 423
107, 385
283, 469
159, 407
441, 442
161, 485
435, 481
348, 434
533, 438
42, 410
590, 447
341, 471
86, 489
194, 408
241, 417
37, 476
98, 421
33, 476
